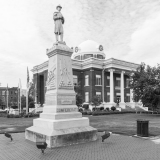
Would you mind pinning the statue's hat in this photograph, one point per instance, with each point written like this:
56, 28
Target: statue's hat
59, 6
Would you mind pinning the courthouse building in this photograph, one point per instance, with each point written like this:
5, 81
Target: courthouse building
96, 75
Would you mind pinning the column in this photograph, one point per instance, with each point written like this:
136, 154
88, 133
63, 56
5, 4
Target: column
122, 87
103, 85
111, 86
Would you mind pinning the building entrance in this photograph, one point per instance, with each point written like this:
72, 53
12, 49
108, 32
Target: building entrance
118, 98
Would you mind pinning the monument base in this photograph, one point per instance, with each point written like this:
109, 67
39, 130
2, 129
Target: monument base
61, 137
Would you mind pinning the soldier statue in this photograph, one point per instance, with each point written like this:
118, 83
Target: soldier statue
59, 21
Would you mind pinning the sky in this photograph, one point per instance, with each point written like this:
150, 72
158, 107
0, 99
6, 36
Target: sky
127, 29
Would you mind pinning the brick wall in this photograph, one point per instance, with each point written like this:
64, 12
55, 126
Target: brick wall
92, 89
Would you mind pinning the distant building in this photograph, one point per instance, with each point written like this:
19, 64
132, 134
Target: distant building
12, 97
107, 78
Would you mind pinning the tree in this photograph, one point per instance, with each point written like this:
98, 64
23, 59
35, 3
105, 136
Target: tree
144, 84
79, 100
96, 101
1, 102
23, 101
31, 104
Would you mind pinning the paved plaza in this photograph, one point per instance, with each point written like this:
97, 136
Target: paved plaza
116, 147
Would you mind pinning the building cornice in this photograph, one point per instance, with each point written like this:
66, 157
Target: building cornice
93, 63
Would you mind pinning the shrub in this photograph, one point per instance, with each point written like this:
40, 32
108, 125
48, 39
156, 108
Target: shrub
84, 113
17, 116
80, 110
31, 104
86, 106
11, 115
101, 108
98, 113
107, 109
39, 112
3, 114
113, 108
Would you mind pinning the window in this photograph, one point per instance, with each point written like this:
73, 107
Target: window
77, 57
118, 80
3, 93
108, 97
127, 83
75, 80
3, 99
108, 81
99, 56
86, 96
11, 92
88, 56
86, 80
127, 97
98, 94
98, 80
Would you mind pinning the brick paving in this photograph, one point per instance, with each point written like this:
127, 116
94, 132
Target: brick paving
116, 147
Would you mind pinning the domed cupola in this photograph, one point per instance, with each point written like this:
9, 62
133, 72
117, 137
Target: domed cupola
89, 49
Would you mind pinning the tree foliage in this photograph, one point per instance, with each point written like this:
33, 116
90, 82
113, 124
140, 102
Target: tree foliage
1, 102
145, 84
23, 101
31, 104
79, 99
96, 101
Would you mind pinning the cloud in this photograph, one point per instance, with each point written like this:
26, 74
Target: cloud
127, 29
145, 42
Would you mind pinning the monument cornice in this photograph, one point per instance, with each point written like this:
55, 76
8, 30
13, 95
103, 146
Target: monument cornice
59, 49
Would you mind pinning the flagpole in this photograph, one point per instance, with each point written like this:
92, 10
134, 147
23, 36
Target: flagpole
27, 91
35, 93
20, 96
7, 95
27, 101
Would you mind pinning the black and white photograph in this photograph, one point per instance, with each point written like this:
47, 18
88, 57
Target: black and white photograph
80, 80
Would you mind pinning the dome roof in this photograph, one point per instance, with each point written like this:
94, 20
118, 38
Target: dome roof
88, 46
89, 49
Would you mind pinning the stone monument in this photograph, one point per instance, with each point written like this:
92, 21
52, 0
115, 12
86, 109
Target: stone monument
60, 124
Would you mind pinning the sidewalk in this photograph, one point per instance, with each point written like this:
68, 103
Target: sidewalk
116, 147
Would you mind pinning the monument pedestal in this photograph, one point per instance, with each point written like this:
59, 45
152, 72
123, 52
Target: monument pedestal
60, 124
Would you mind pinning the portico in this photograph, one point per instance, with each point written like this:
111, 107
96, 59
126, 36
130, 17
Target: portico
120, 90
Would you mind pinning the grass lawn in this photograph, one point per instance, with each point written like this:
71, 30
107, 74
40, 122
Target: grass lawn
125, 123
117, 123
